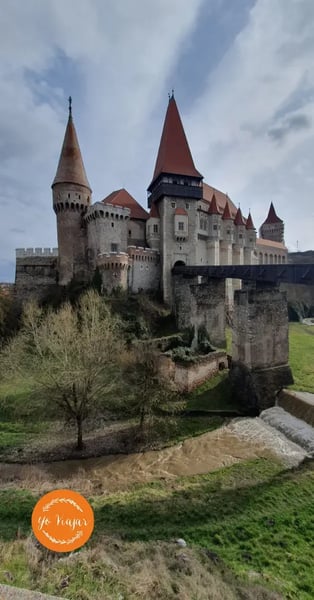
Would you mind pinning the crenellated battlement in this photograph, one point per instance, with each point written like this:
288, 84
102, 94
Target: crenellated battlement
24, 252
113, 260
107, 211
143, 254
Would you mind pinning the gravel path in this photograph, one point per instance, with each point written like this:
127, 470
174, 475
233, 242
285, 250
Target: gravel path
7, 592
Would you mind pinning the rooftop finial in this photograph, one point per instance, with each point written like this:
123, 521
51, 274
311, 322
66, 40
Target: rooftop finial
70, 106
172, 93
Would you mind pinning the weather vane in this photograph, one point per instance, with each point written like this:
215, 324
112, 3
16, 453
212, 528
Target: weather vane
70, 106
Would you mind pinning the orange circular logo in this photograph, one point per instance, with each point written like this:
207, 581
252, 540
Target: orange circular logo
63, 520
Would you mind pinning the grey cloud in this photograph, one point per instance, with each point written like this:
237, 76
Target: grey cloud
17, 230
290, 125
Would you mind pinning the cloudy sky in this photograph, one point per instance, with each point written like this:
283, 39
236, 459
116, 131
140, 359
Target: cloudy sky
243, 75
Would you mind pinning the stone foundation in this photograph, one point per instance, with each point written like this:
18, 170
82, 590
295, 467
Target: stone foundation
201, 306
187, 376
256, 389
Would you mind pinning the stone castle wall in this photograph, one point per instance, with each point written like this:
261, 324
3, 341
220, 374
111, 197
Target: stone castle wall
186, 376
144, 272
36, 272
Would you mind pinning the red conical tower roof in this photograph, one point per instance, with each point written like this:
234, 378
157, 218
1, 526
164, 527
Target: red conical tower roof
71, 167
226, 215
238, 218
213, 208
174, 155
249, 222
272, 217
123, 198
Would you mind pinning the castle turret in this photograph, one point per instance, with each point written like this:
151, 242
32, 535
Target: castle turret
250, 256
227, 236
71, 195
176, 184
273, 227
214, 230
153, 228
239, 238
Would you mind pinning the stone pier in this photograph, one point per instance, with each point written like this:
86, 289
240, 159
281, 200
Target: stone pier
260, 345
201, 305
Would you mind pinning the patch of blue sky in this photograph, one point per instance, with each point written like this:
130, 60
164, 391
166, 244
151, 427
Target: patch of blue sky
57, 82
219, 22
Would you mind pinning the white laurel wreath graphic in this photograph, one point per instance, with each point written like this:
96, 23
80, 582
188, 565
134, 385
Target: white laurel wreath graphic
73, 539
56, 500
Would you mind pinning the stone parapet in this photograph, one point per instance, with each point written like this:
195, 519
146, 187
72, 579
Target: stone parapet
142, 253
113, 260
24, 252
107, 211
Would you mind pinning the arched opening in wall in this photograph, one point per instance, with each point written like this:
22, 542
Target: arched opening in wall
260, 258
179, 263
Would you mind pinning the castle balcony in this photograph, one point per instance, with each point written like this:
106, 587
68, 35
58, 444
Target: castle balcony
177, 190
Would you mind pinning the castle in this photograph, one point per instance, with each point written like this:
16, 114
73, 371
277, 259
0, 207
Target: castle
188, 223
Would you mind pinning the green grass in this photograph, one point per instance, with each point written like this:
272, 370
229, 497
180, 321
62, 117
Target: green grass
301, 356
214, 394
253, 515
18, 434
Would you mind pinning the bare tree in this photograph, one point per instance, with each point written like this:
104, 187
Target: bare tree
73, 354
148, 390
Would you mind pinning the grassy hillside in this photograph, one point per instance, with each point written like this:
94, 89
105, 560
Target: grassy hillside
252, 517
301, 353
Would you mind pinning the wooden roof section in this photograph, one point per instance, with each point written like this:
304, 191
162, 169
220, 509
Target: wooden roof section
71, 167
272, 217
221, 199
174, 155
123, 198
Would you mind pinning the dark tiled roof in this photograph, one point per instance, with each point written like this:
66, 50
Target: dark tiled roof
272, 217
249, 222
174, 155
123, 198
213, 208
239, 218
221, 199
71, 167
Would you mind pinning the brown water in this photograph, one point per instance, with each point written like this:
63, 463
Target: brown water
241, 440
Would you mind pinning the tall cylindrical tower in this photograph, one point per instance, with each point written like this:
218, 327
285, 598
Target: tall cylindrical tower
71, 194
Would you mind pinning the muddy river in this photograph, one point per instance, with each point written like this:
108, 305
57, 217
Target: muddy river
240, 440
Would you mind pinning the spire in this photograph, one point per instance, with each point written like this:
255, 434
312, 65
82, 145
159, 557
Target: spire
238, 218
226, 215
213, 208
249, 222
71, 167
272, 217
174, 155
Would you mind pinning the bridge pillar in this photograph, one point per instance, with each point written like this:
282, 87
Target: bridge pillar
201, 305
260, 345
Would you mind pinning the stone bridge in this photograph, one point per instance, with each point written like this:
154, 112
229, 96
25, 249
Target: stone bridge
260, 333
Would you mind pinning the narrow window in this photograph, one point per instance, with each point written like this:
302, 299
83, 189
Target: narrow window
181, 226
155, 229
